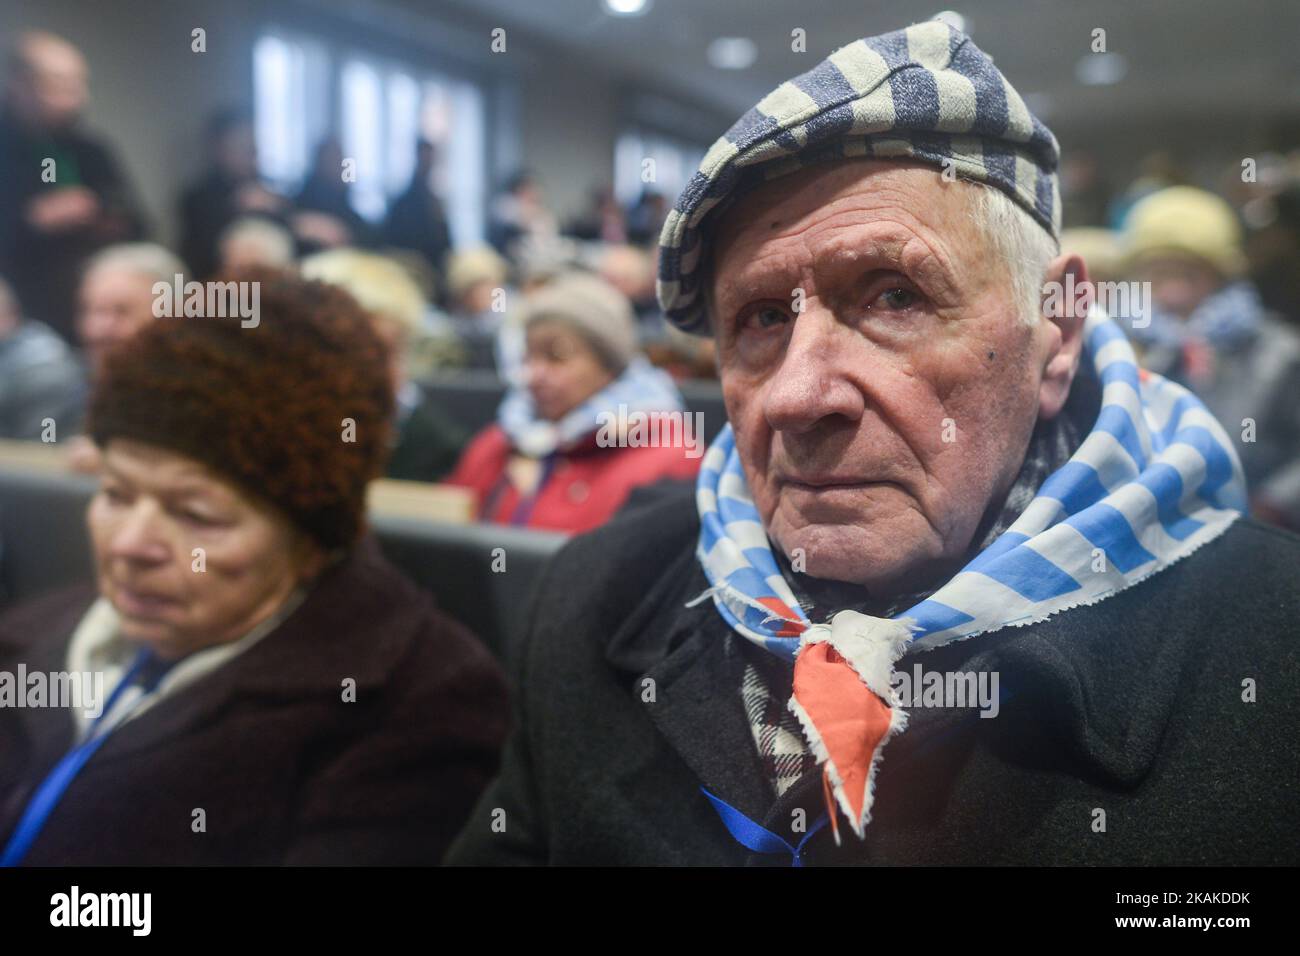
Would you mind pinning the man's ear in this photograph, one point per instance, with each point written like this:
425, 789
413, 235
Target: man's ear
1066, 298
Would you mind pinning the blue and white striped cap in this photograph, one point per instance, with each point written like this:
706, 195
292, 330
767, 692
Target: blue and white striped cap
926, 93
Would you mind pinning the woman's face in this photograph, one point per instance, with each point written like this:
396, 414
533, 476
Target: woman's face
563, 370
186, 558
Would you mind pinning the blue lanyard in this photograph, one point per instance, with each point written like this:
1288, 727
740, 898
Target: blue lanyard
51, 790
759, 839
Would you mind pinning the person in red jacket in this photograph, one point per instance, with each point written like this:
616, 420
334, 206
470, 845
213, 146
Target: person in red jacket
591, 421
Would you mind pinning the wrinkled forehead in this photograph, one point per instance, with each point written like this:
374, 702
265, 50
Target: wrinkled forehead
835, 216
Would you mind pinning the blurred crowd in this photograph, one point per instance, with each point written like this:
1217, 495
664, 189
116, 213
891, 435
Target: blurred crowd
562, 313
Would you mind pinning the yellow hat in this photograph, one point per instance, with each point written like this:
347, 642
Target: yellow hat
1099, 248
468, 267
1185, 221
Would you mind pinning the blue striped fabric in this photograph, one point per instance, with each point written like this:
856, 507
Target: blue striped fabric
925, 93
1155, 479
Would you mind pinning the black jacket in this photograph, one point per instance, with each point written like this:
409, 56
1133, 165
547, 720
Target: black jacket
286, 771
45, 268
1132, 706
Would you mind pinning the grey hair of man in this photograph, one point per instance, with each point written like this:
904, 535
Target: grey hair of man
142, 258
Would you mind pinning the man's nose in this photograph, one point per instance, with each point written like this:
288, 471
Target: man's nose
810, 384
138, 535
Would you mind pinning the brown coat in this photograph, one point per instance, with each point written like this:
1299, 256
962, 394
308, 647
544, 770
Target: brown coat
285, 771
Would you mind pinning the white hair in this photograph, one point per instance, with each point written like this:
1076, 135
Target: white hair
273, 242
143, 258
1025, 247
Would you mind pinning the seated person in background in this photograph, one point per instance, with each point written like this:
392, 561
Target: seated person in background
556, 457
254, 242
1209, 330
274, 691
940, 498
426, 441
40, 379
477, 301
115, 299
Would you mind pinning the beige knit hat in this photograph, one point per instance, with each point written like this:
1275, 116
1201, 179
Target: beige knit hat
1185, 221
598, 311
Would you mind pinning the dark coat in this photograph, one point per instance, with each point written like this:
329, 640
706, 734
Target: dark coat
45, 268
287, 772
1132, 706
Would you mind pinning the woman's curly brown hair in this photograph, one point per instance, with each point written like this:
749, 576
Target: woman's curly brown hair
267, 406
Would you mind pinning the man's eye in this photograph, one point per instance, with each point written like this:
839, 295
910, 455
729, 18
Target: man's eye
898, 299
768, 317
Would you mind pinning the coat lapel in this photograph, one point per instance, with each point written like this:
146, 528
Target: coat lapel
346, 628
692, 658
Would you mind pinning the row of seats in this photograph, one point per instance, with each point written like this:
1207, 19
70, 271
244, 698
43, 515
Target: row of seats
471, 398
482, 575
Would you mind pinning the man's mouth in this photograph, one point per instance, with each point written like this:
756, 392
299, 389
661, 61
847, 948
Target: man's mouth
140, 603
829, 482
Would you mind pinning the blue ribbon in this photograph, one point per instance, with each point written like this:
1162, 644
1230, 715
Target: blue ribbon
759, 839
51, 790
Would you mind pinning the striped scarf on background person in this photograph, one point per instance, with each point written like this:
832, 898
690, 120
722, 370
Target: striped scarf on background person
640, 388
1155, 478
1225, 319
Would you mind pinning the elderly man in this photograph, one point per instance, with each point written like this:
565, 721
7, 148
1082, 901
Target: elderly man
64, 195
951, 525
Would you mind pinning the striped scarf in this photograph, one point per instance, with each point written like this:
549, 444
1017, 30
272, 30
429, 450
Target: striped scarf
640, 388
1156, 478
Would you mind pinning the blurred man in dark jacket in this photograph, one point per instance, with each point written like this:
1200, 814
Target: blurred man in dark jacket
416, 219
229, 190
64, 192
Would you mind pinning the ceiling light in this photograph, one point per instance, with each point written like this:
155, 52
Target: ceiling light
1100, 69
627, 8
732, 53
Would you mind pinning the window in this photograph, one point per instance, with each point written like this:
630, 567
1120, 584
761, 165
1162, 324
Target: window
292, 108
382, 108
675, 161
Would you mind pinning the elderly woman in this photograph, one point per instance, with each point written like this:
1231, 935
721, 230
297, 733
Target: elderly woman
264, 688
563, 454
942, 498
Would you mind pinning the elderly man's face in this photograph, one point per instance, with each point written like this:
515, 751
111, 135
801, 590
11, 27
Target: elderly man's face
51, 88
114, 304
876, 424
